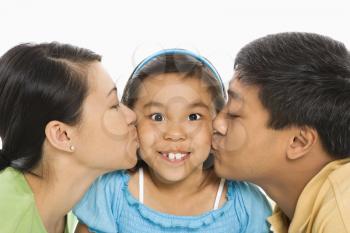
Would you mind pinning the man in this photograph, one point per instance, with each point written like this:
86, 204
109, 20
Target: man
286, 128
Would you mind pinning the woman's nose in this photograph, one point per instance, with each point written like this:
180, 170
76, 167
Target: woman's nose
130, 115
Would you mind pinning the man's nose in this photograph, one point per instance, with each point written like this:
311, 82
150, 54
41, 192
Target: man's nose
220, 124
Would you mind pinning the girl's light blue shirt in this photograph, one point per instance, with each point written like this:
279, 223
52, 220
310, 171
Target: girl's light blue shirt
109, 207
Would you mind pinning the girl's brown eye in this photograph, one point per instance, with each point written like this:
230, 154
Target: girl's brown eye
194, 117
157, 117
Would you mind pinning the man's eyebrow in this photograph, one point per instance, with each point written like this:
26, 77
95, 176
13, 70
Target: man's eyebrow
234, 95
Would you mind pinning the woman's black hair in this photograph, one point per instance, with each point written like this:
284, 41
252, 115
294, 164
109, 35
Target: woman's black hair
39, 83
186, 65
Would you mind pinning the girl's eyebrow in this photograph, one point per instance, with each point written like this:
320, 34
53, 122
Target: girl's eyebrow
196, 104
153, 104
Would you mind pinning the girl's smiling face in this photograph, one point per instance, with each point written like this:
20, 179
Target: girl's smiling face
174, 124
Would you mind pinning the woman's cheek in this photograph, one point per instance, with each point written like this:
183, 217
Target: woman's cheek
114, 123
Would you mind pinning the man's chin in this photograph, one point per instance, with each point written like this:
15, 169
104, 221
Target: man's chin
220, 170
226, 172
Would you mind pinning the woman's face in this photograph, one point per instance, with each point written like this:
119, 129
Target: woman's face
106, 137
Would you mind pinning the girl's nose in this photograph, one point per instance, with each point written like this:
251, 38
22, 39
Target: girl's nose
175, 132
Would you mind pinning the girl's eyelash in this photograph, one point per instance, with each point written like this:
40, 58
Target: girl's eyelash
200, 115
153, 115
150, 116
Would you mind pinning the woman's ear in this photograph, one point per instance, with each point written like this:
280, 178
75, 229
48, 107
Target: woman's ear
58, 135
301, 143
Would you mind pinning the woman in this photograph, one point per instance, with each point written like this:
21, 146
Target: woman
62, 126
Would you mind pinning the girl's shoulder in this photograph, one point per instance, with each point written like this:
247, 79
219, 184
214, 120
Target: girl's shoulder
114, 177
109, 185
249, 197
245, 190
101, 204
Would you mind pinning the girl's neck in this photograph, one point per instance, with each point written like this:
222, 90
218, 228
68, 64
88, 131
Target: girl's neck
190, 185
57, 189
191, 196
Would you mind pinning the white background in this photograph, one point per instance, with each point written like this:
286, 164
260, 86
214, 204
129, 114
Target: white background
124, 32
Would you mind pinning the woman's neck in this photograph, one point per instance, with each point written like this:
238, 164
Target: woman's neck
57, 189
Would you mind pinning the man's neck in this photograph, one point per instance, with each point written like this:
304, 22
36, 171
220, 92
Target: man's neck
286, 187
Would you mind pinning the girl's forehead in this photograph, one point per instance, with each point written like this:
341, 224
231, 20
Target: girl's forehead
166, 87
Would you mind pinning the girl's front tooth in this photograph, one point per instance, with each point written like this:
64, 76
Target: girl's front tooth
171, 156
178, 156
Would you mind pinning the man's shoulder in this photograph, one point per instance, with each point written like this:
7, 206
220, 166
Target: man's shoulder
334, 198
338, 185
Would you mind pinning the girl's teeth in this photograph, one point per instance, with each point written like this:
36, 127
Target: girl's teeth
178, 156
171, 156
174, 156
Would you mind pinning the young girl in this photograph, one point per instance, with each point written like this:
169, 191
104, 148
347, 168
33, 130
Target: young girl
175, 94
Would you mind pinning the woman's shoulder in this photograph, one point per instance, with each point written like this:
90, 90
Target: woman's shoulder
18, 201
13, 183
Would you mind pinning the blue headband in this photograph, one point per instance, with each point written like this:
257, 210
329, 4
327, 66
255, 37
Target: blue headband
181, 52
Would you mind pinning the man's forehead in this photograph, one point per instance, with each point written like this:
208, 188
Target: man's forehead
234, 90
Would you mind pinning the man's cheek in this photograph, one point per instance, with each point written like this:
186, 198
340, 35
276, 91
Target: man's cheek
236, 138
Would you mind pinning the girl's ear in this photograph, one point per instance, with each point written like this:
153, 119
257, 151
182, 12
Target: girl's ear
301, 143
58, 135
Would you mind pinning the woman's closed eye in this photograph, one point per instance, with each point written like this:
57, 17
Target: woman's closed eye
116, 106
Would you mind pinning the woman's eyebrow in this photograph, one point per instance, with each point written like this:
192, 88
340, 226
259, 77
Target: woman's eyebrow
112, 90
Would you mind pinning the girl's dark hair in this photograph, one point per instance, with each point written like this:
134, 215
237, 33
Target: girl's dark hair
39, 83
184, 64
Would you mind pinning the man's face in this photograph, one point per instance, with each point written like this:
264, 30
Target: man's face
244, 147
